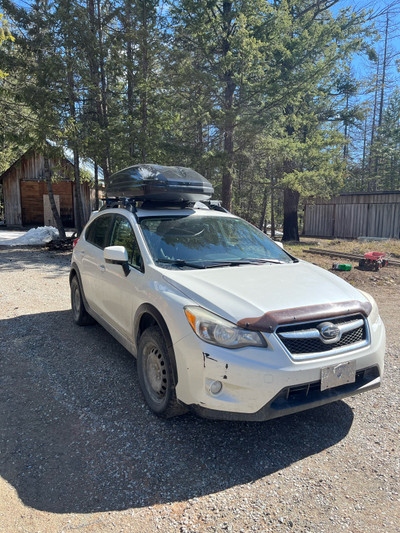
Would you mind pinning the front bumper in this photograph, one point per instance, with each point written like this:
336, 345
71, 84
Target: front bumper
260, 384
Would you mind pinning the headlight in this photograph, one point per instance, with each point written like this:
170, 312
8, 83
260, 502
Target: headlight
216, 330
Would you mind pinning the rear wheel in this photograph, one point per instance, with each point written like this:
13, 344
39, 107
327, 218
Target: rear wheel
79, 313
155, 374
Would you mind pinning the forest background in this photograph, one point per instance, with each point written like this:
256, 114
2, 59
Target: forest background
274, 101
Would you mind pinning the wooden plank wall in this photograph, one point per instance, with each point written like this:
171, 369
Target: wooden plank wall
351, 220
12, 202
375, 215
319, 220
384, 221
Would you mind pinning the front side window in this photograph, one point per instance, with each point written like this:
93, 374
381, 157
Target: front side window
97, 232
123, 235
208, 241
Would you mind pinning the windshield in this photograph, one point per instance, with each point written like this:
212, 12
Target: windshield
208, 241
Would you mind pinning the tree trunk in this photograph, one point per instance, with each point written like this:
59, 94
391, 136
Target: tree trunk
290, 221
56, 215
96, 186
346, 133
264, 208
94, 91
229, 123
104, 99
371, 182
227, 177
130, 99
384, 67
79, 222
272, 207
381, 100
364, 154
144, 47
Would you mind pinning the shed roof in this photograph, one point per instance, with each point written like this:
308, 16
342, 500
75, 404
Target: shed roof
85, 163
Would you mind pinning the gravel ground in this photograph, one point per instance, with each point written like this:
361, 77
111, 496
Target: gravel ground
79, 450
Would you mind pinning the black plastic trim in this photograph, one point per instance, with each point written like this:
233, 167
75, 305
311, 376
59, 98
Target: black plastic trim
281, 406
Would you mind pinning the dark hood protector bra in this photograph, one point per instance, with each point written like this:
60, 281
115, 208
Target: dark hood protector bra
268, 322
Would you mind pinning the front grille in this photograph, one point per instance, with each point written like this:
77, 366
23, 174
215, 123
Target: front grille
313, 345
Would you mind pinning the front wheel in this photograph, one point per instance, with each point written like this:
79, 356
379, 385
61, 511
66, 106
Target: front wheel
155, 374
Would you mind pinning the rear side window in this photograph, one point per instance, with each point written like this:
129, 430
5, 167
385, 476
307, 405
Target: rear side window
98, 231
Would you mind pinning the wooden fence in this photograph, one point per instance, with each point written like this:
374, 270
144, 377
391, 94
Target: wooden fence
354, 215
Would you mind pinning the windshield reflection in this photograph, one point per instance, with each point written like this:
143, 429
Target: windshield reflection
208, 241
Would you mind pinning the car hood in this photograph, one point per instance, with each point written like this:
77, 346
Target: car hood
251, 290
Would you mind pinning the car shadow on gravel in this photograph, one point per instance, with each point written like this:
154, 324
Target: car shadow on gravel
76, 437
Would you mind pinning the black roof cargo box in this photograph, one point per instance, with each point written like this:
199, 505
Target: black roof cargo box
156, 183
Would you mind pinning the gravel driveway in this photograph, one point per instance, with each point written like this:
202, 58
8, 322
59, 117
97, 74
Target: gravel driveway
79, 450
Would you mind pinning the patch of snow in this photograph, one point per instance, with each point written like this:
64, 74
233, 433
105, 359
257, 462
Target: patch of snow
34, 236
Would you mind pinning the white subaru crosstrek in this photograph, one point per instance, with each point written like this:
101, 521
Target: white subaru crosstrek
221, 319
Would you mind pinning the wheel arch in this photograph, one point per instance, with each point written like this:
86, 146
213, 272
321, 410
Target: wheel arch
146, 316
74, 272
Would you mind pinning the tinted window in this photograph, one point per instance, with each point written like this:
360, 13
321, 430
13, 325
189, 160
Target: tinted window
123, 235
97, 232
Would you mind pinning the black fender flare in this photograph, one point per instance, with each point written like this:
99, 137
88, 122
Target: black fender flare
149, 309
75, 272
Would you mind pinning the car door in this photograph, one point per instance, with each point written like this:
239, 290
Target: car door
121, 295
91, 259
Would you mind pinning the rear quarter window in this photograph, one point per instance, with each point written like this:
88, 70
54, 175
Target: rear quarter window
98, 231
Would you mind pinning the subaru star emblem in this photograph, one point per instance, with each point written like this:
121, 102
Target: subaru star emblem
329, 332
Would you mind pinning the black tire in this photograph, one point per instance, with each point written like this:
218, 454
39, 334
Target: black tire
155, 374
79, 313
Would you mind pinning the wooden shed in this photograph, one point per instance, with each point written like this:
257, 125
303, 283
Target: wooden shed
354, 215
25, 194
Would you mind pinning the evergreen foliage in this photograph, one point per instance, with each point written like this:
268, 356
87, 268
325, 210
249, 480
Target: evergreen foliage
257, 95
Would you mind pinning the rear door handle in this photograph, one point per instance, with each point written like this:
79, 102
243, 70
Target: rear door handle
102, 268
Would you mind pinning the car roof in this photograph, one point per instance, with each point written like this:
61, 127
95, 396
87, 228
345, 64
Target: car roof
151, 212
188, 211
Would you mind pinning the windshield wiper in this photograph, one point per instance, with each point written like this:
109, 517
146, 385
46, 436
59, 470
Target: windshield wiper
238, 262
217, 264
180, 263
233, 262
262, 260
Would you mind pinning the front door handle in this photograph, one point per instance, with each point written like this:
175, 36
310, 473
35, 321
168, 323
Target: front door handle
102, 268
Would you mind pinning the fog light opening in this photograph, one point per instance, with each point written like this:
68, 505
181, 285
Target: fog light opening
216, 387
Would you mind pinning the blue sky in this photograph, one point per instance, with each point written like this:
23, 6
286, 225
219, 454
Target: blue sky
362, 67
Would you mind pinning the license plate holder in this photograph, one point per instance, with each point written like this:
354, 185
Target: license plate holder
336, 375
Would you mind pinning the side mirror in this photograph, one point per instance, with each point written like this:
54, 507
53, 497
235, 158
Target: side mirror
117, 255
279, 244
